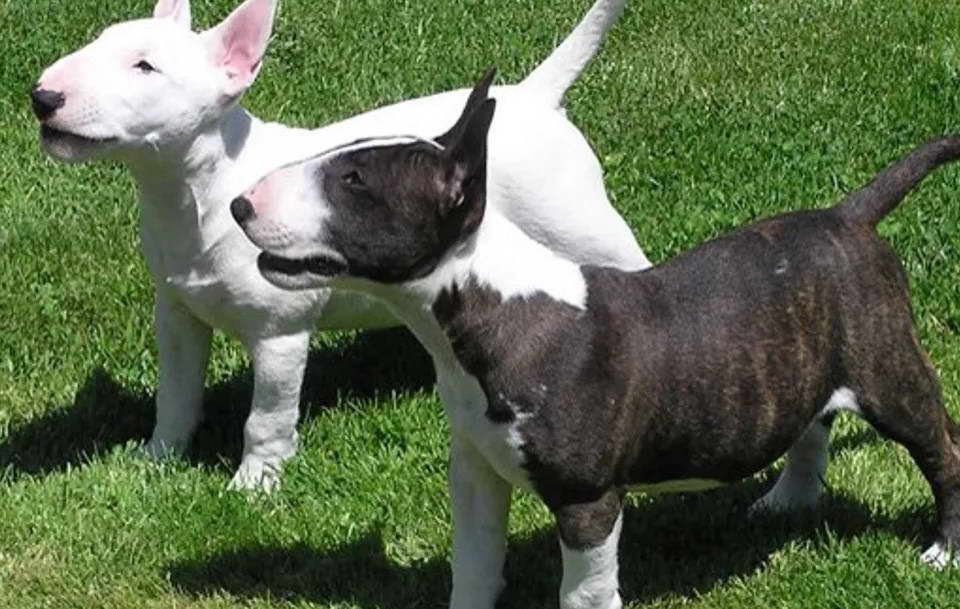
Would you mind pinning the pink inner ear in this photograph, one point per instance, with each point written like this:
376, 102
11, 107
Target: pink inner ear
178, 10
245, 37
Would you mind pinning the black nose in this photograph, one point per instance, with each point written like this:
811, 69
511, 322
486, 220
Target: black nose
45, 102
242, 210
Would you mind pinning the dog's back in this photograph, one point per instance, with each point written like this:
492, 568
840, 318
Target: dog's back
711, 365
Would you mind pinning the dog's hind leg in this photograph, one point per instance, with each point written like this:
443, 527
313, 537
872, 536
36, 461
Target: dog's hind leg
481, 508
183, 346
589, 536
270, 433
801, 482
903, 402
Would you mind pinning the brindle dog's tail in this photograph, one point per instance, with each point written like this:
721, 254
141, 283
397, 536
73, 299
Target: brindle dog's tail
871, 203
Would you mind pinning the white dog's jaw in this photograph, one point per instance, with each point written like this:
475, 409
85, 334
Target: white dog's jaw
72, 148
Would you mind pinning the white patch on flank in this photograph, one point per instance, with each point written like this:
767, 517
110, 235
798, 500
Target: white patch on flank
590, 576
842, 399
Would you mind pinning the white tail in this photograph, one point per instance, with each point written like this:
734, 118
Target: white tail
560, 70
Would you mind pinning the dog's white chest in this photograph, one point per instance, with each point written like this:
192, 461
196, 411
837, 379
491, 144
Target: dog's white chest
466, 406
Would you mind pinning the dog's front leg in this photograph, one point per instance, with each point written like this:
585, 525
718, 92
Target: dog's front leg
270, 433
589, 535
183, 345
481, 508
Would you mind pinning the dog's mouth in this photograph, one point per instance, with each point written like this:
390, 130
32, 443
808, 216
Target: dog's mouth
52, 134
299, 273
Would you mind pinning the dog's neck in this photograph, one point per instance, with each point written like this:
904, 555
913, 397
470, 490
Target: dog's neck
502, 258
185, 188
499, 259
201, 172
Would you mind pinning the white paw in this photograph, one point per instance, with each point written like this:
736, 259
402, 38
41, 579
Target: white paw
158, 449
255, 474
938, 556
612, 602
786, 500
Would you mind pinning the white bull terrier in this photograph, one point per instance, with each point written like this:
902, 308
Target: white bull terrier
162, 99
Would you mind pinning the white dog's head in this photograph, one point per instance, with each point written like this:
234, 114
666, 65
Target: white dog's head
149, 83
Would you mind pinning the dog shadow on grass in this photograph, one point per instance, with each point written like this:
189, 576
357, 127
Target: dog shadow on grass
104, 414
674, 546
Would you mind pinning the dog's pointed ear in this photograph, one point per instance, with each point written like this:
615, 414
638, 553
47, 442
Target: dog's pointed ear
238, 43
466, 152
178, 10
479, 94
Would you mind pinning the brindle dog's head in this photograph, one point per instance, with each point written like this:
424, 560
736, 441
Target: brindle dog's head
385, 210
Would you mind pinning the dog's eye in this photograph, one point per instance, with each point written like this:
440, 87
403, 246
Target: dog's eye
353, 179
145, 66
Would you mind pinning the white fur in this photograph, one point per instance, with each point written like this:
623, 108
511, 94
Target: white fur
939, 556
191, 150
481, 506
590, 576
843, 399
504, 262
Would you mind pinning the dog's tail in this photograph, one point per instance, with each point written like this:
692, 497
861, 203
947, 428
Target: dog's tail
560, 70
871, 203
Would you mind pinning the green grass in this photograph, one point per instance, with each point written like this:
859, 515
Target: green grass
706, 114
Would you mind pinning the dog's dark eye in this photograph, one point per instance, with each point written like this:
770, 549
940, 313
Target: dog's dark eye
353, 179
145, 66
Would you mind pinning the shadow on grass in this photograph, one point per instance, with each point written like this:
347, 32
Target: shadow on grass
104, 414
675, 546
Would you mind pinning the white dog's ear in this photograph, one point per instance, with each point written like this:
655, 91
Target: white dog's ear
237, 45
178, 10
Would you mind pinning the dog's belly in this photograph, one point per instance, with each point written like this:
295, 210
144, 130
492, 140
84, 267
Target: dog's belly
676, 486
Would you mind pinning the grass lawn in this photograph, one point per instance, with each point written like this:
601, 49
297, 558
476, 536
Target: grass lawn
706, 114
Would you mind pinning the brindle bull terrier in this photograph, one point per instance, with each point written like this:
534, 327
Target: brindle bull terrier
583, 382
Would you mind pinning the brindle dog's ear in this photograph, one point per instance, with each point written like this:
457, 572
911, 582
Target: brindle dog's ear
477, 96
465, 188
